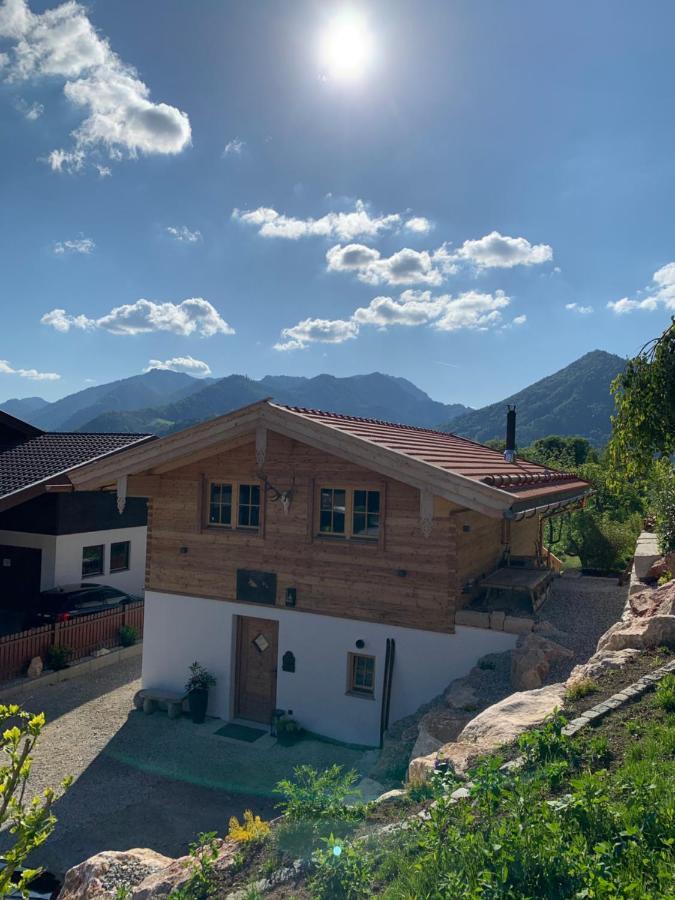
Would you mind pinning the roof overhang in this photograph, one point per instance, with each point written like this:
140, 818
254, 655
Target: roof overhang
203, 440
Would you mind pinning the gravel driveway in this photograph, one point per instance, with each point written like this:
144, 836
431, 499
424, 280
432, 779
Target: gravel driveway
147, 781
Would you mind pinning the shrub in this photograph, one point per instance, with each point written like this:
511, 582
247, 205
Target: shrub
663, 504
28, 822
200, 678
58, 657
547, 743
203, 854
604, 543
581, 688
253, 829
313, 795
128, 635
665, 693
342, 871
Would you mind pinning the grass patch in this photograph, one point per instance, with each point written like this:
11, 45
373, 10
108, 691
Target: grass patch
582, 688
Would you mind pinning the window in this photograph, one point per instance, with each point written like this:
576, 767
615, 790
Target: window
361, 679
92, 560
249, 506
220, 508
332, 511
234, 505
366, 514
353, 513
119, 556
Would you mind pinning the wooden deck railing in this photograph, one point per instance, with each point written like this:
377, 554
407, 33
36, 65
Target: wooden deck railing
81, 635
551, 561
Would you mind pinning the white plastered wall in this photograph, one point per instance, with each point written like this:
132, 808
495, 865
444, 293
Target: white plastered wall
62, 556
179, 630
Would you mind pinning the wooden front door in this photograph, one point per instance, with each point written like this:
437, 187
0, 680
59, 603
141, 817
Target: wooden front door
256, 674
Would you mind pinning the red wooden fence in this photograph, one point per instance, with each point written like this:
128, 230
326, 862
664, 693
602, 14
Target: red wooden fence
81, 635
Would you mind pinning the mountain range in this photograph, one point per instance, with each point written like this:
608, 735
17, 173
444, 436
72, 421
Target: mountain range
573, 401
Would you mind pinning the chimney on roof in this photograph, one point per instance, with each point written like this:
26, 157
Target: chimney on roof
510, 450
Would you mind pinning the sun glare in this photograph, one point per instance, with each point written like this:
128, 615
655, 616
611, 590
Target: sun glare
346, 47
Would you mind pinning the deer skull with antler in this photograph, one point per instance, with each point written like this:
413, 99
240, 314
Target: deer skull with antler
284, 497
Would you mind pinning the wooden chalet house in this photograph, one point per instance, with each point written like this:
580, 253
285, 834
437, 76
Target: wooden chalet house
314, 562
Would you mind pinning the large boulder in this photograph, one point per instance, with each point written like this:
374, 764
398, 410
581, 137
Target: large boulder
102, 875
650, 622
496, 725
437, 727
663, 566
164, 881
532, 659
600, 662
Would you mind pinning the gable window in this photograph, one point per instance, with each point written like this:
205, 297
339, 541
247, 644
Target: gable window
92, 560
332, 511
119, 556
349, 513
361, 675
249, 506
220, 505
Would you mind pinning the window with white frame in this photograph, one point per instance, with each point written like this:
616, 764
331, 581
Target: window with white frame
349, 513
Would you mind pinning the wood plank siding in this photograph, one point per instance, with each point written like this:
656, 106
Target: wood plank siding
402, 579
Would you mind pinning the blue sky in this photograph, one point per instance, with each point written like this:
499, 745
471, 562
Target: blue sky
467, 194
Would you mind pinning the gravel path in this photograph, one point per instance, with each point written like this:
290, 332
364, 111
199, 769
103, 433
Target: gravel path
583, 609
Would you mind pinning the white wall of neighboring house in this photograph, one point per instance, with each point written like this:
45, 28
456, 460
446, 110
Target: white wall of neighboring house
62, 556
179, 630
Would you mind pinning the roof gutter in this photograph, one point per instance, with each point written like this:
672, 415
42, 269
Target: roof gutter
528, 512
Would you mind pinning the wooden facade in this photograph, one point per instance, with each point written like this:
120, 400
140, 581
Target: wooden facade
403, 578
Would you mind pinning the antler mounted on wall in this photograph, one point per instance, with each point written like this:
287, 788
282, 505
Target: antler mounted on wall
276, 495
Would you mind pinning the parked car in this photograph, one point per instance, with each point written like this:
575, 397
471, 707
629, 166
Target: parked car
62, 603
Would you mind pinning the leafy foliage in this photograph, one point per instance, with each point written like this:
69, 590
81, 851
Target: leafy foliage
29, 822
313, 795
57, 657
663, 503
128, 635
665, 693
581, 688
343, 871
252, 830
644, 394
200, 678
203, 854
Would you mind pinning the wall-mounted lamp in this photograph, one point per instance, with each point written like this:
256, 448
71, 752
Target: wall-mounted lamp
466, 528
183, 550
291, 596
401, 573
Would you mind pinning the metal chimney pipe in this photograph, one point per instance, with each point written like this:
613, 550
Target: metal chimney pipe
510, 450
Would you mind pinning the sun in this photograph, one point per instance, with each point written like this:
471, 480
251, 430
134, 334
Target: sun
346, 47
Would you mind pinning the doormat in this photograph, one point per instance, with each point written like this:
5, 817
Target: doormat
240, 732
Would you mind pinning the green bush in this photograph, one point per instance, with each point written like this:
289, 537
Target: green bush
342, 871
582, 688
665, 693
311, 795
58, 657
128, 635
663, 504
603, 543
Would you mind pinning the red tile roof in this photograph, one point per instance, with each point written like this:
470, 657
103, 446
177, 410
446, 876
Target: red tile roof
451, 453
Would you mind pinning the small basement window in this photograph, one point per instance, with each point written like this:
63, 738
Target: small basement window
361, 679
119, 556
92, 560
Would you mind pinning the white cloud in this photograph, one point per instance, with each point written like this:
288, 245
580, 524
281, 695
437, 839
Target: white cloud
182, 233
32, 374
322, 331
578, 308
119, 116
187, 364
519, 320
499, 251
345, 226
234, 147
31, 111
661, 294
407, 266
195, 315
471, 310
419, 225
79, 245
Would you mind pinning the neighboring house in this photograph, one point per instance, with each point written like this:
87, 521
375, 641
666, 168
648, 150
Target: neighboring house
51, 536
315, 562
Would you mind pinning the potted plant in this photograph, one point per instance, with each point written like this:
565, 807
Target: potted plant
289, 730
197, 687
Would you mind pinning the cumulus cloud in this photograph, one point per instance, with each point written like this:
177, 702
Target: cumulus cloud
578, 308
119, 116
31, 111
322, 331
661, 294
500, 251
32, 374
406, 266
195, 315
79, 245
471, 310
520, 320
187, 364
183, 234
418, 225
345, 226
234, 147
